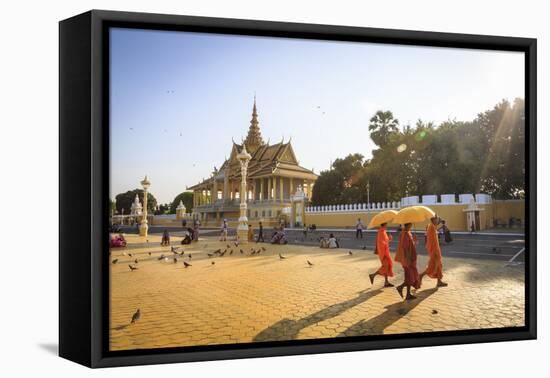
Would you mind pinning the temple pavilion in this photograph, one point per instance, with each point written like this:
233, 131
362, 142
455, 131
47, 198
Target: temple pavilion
274, 176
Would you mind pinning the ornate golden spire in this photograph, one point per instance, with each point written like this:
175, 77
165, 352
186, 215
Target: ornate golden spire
254, 138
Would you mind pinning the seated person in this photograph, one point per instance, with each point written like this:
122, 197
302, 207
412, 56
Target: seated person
118, 241
165, 238
279, 238
332, 242
323, 243
186, 237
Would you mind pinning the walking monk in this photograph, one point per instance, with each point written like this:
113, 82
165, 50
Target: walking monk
406, 255
383, 251
435, 266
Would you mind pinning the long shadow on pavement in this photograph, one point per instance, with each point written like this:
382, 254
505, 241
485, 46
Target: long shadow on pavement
392, 313
288, 329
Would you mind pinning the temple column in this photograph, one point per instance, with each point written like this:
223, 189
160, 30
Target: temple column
226, 184
215, 192
281, 187
275, 188
291, 186
268, 197
262, 189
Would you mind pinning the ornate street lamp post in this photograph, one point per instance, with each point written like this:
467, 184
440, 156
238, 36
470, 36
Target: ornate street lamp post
242, 229
143, 227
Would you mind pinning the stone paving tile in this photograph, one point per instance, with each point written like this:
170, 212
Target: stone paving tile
245, 298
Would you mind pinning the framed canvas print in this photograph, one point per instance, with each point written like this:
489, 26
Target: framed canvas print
235, 188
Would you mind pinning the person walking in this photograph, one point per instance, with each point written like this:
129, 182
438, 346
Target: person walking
434, 269
359, 229
406, 255
260, 233
223, 236
383, 251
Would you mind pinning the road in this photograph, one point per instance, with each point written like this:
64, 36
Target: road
494, 246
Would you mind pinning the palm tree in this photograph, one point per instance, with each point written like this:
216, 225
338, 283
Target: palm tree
381, 126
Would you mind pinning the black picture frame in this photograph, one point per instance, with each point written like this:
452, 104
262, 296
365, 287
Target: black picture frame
84, 186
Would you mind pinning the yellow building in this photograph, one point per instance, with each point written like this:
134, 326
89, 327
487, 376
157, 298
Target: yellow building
274, 175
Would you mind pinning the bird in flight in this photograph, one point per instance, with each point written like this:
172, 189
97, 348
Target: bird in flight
350, 253
115, 261
309, 263
132, 268
281, 257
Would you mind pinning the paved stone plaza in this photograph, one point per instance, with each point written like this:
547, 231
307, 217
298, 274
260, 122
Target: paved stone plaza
244, 298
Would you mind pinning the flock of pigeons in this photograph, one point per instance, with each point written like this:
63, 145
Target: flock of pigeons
177, 254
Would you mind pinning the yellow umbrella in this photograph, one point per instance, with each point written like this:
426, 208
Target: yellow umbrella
413, 214
383, 217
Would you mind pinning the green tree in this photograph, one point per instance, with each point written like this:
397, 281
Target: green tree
328, 188
381, 126
125, 200
186, 198
486, 155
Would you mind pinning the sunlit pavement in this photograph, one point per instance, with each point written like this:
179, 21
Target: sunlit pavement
242, 298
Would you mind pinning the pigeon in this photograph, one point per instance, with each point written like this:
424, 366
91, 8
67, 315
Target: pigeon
228, 246
350, 253
182, 252
149, 253
309, 263
242, 251
236, 244
210, 255
174, 250
161, 257
186, 264
231, 252
434, 312
281, 257
175, 260
136, 261
263, 249
252, 253
258, 252
115, 261
218, 250
136, 316
147, 240
190, 256
132, 268
129, 254
213, 262
364, 247
223, 253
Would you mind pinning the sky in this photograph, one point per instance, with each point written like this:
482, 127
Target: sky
178, 98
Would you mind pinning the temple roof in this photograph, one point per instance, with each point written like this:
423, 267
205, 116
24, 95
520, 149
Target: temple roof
266, 161
254, 138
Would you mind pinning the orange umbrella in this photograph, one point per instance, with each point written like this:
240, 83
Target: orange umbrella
383, 217
413, 214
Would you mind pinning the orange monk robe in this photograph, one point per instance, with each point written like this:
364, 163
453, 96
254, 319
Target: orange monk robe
412, 278
383, 250
435, 266
400, 253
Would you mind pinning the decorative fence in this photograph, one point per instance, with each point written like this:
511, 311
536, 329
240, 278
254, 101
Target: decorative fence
358, 207
431, 199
